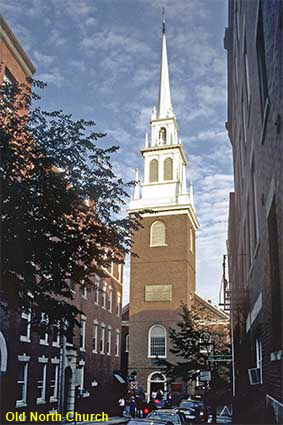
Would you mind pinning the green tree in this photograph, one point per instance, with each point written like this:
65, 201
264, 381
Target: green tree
61, 205
192, 341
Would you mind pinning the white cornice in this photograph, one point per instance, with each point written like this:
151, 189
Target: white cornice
166, 147
15, 48
170, 210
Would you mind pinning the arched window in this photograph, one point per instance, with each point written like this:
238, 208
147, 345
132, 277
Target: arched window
168, 169
157, 234
162, 136
153, 170
157, 341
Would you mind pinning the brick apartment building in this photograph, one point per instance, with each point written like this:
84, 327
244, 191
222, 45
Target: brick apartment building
162, 276
43, 371
254, 43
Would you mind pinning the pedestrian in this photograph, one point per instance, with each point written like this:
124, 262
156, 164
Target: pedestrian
133, 407
121, 403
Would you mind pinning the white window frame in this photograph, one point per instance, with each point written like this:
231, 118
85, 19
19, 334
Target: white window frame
149, 341
108, 343
43, 362
117, 343
84, 292
95, 335
57, 342
118, 306
82, 333
23, 359
102, 339
110, 300
27, 317
54, 397
103, 297
96, 290
44, 341
151, 231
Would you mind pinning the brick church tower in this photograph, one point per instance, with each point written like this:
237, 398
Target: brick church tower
163, 275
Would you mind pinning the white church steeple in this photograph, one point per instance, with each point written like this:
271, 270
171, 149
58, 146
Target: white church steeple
164, 185
164, 99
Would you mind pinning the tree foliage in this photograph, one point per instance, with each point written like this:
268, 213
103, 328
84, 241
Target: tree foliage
61, 205
192, 342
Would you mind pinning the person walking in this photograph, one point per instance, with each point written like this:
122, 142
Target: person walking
121, 403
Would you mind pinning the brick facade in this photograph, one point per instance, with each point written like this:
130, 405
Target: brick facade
174, 265
254, 42
86, 369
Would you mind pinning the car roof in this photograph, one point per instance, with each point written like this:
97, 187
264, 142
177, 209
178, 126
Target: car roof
165, 411
148, 421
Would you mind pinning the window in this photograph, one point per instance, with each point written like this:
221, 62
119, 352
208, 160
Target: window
162, 136
108, 345
94, 337
127, 344
96, 290
117, 344
191, 240
54, 380
22, 381
262, 74
118, 304
82, 333
43, 330
25, 326
84, 292
258, 346
103, 297
110, 300
158, 234
56, 336
69, 333
41, 380
82, 377
153, 170
168, 169
274, 261
157, 341
102, 339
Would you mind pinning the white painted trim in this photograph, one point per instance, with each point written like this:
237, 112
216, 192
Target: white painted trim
43, 359
4, 353
149, 341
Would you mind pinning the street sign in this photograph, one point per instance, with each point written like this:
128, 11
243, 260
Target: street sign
220, 358
205, 375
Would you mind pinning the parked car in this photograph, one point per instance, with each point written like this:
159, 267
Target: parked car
168, 415
139, 421
197, 406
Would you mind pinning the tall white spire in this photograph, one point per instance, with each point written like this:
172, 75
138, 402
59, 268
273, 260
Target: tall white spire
164, 108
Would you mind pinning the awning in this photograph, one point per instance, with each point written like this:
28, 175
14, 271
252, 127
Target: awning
119, 378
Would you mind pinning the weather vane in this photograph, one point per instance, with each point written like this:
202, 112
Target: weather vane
163, 19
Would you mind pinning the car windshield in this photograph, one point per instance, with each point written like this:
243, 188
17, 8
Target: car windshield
190, 404
167, 417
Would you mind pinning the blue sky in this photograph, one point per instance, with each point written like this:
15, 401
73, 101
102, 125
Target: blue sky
101, 61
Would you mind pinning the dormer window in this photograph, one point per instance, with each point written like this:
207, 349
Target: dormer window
162, 136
